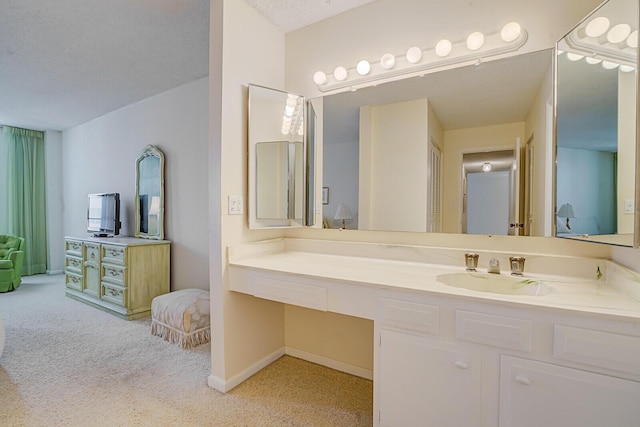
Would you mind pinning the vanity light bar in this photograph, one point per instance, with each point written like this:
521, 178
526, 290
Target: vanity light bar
416, 61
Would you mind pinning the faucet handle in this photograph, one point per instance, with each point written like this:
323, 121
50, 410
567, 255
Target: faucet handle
471, 261
517, 265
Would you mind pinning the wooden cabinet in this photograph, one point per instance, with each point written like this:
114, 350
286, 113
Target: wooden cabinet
119, 275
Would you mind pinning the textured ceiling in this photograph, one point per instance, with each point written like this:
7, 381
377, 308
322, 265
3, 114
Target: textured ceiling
65, 62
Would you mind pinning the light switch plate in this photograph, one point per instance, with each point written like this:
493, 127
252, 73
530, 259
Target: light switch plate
628, 206
235, 205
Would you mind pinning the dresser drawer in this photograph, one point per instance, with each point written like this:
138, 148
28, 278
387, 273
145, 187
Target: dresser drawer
92, 252
73, 247
73, 281
597, 348
113, 254
411, 316
73, 264
114, 274
114, 293
498, 331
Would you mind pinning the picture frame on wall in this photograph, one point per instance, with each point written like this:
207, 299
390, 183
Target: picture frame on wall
325, 195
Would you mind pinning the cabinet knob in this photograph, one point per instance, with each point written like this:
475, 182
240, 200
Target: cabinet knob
461, 364
523, 380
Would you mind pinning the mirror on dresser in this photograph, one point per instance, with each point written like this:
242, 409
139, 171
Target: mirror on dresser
596, 126
400, 155
150, 194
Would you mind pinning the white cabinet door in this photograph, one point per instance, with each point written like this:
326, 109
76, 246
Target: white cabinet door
541, 394
426, 382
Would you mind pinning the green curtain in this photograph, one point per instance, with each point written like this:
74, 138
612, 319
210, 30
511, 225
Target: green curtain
22, 202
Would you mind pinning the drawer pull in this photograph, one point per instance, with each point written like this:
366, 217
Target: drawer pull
461, 364
523, 380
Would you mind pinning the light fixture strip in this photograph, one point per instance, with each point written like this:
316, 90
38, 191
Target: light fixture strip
460, 54
622, 57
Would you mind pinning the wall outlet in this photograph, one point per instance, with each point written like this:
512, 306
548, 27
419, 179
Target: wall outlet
235, 205
628, 207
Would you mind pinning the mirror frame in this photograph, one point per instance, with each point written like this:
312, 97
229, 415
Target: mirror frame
149, 152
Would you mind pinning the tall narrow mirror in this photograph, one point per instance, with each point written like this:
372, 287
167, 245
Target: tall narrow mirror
150, 194
276, 158
596, 101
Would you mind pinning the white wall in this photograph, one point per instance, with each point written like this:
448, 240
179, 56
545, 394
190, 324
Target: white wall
626, 147
54, 201
100, 156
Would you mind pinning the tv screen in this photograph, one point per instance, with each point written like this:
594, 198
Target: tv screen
103, 214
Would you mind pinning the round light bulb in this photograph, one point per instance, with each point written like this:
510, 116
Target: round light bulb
593, 61
443, 48
574, 56
608, 65
475, 40
414, 55
597, 27
627, 68
510, 32
618, 33
632, 40
486, 167
319, 78
387, 61
340, 73
363, 67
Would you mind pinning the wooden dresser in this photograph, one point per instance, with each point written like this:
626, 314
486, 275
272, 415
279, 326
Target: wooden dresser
120, 275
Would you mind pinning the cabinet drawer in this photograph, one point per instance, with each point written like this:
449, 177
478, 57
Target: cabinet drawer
73, 247
113, 254
73, 281
114, 274
498, 331
424, 318
309, 296
114, 293
73, 264
92, 252
597, 348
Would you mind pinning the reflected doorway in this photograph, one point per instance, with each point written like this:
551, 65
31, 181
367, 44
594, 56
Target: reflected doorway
491, 193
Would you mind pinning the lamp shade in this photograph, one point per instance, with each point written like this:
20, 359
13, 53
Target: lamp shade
342, 212
566, 211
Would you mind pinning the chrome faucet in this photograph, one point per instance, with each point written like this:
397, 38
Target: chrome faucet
517, 265
471, 261
494, 266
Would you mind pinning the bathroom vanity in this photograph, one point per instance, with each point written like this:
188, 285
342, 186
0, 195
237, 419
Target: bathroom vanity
558, 346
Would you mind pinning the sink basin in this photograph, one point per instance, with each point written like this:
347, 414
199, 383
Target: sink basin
496, 283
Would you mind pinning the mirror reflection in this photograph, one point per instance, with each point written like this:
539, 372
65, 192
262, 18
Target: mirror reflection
150, 194
596, 126
393, 154
276, 158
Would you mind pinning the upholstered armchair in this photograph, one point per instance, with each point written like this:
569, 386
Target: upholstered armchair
11, 257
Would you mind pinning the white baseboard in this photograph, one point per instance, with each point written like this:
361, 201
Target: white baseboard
54, 272
224, 386
330, 363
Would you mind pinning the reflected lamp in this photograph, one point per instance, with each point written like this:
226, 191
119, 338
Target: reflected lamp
566, 211
343, 213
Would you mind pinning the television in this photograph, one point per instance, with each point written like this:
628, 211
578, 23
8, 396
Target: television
103, 214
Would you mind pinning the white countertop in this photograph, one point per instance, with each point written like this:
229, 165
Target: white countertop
616, 294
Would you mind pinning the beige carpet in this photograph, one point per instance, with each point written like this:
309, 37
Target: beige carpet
68, 364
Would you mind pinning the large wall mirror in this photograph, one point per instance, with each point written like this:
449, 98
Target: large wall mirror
277, 158
419, 154
596, 126
150, 194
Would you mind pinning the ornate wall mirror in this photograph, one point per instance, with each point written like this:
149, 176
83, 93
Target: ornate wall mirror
277, 158
596, 119
150, 194
393, 153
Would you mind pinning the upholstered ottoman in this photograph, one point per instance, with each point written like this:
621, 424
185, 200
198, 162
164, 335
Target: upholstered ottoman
182, 317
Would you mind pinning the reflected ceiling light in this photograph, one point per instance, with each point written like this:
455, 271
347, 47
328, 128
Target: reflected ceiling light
475, 40
510, 32
632, 40
363, 67
593, 61
627, 68
443, 48
618, 33
486, 167
608, 65
319, 78
597, 26
387, 61
574, 56
340, 73
414, 54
